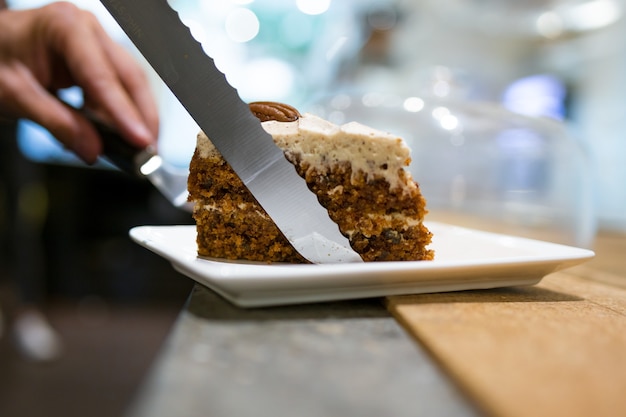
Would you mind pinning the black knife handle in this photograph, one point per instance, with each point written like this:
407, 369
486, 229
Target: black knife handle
116, 149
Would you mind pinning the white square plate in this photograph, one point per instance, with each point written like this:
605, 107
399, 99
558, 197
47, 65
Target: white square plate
464, 259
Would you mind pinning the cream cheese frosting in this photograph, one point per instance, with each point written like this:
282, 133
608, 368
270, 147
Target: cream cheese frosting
321, 144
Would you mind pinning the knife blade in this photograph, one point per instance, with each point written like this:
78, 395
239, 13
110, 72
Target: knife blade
167, 44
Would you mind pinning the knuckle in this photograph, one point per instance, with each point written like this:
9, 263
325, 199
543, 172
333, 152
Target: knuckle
62, 10
65, 16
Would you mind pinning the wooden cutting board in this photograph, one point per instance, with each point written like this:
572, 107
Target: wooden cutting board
554, 349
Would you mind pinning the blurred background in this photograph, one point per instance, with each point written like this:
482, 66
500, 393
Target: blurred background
514, 112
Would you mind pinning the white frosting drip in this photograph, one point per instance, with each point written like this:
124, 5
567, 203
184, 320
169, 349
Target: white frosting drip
204, 146
242, 206
408, 221
322, 144
386, 220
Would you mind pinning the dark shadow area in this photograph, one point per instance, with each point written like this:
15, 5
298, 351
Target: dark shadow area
522, 294
206, 304
108, 352
64, 246
64, 230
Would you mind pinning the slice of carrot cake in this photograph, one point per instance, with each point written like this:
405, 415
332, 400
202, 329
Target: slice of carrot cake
359, 175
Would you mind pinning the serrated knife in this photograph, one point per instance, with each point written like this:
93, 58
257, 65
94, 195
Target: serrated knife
167, 44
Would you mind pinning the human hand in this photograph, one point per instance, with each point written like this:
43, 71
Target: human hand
57, 46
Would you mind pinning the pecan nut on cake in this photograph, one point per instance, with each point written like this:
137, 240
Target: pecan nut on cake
359, 175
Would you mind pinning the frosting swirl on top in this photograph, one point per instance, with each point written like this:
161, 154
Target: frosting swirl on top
322, 144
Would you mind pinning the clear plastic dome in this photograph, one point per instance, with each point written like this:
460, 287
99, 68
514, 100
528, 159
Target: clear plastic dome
482, 166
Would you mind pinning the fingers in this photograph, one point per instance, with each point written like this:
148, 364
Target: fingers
113, 83
28, 99
134, 80
57, 46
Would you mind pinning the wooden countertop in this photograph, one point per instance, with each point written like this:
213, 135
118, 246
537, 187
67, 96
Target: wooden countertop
554, 349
